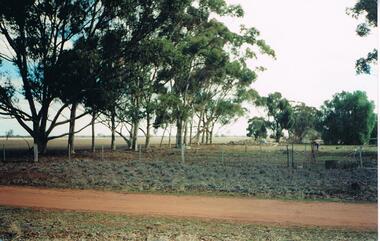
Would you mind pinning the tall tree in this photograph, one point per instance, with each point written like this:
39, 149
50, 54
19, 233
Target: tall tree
348, 118
75, 78
257, 127
304, 120
37, 33
207, 55
280, 113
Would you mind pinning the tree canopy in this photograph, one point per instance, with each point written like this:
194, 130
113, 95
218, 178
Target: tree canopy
38, 35
348, 118
367, 9
279, 113
257, 127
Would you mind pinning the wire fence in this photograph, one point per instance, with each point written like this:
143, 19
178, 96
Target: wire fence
283, 155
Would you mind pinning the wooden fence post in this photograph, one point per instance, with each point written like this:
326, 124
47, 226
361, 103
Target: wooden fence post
102, 152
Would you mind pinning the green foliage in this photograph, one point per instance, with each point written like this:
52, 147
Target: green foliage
363, 65
368, 9
120, 57
280, 113
39, 34
257, 128
348, 118
305, 120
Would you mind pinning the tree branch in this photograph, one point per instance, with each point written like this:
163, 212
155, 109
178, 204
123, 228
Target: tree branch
66, 134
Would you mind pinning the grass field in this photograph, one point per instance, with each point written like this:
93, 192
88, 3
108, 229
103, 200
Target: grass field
28, 224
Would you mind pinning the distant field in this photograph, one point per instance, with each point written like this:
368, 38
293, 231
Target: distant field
28, 224
85, 142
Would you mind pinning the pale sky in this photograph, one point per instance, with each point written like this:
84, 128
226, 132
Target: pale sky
316, 48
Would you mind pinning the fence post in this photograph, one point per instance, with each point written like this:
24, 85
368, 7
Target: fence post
360, 156
3, 152
245, 147
35, 151
287, 155
183, 146
102, 152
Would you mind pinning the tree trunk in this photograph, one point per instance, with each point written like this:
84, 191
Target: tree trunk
147, 137
113, 128
204, 129
179, 133
211, 133
93, 131
134, 135
163, 135
203, 135
131, 137
208, 132
170, 135
185, 133
191, 130
199, 128
278, 134
41, 142
70, 141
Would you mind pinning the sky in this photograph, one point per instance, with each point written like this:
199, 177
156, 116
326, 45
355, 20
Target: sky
316, 48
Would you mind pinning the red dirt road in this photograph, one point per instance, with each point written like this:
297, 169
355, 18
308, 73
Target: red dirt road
247, 210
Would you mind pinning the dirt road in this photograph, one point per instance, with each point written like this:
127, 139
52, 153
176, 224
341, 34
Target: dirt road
249, 210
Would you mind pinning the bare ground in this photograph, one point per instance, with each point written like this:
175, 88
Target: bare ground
247, 210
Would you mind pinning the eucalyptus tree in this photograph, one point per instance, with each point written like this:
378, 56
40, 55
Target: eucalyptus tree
305, 119
142, 86
205, 50
348, 118
257, 127
368, 10
76, 81
279, 113
36, 33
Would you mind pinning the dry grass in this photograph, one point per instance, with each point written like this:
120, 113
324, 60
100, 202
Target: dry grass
58, 225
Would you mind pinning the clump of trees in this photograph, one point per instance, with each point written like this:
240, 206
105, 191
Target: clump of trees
131, 65
348, 118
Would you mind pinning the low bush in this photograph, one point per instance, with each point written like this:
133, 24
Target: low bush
236, 178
